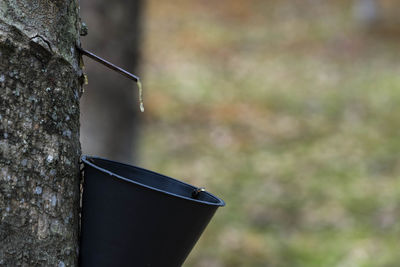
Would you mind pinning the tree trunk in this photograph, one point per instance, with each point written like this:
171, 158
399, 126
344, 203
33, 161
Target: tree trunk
110, 106
39, 132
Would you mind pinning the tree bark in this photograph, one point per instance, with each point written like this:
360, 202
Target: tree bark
39, 132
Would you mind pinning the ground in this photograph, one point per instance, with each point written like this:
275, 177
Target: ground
288, 111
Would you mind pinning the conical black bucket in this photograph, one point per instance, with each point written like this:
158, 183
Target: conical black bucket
135, 217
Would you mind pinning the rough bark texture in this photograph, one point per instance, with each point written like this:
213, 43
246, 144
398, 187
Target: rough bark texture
110, 108
39, 133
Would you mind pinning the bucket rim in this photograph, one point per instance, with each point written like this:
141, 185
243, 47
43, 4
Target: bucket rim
219, 202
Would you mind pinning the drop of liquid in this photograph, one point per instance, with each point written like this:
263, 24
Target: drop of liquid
139, 85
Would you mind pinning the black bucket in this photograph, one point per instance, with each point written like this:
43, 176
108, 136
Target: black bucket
135, 217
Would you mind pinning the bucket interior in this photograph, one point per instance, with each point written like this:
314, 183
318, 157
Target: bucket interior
153, 180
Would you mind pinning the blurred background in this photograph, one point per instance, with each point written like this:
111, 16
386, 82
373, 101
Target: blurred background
288, 110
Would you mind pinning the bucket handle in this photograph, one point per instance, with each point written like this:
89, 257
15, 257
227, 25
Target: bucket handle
196, 192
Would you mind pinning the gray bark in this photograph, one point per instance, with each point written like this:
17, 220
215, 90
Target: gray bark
39, 132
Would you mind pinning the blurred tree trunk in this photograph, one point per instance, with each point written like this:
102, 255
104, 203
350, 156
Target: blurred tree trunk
380, 18
109, 105
39, 133
367, 12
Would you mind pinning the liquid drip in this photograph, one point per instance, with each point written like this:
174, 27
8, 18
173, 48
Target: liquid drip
139, 85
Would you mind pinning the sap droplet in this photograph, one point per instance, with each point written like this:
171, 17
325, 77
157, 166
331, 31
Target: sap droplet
139, 85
